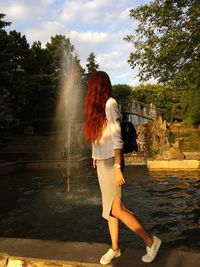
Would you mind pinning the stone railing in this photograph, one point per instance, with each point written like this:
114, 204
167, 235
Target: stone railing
147, 111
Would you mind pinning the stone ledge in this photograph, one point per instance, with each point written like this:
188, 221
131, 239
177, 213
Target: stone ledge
178, 165
16, 252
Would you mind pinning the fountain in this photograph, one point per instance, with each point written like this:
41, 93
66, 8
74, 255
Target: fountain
71, 112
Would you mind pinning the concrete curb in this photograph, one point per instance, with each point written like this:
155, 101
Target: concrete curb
16, 252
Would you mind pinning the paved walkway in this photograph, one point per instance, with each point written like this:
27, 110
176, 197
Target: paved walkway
76, 254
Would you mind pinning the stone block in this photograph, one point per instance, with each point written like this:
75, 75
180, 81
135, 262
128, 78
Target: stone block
15, 263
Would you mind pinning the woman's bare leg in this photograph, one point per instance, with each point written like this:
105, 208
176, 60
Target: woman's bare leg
113, 225
121, 213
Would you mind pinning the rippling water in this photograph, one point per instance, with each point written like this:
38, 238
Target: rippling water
36, 204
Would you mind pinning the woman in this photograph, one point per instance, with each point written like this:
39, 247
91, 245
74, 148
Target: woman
102, 128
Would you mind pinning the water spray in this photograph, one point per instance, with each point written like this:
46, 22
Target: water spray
68, 183
71, 98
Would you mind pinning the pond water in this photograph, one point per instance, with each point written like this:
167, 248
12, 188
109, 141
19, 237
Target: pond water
36, 204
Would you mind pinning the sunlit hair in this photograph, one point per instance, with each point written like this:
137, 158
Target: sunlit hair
98, 92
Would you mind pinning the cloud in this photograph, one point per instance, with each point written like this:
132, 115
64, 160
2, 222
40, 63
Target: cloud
15, 11
46, 2
94, 11
82, 11
25, 9
44, 31
90, 37
115, 63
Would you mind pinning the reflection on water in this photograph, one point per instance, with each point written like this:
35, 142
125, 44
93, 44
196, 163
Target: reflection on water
36, 204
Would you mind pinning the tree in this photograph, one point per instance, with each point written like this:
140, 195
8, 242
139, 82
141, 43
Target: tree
20, 57
20, 51
162, 96
121, 91
166, 43
191, 113
91, 65
5, 54
40, 60
5, 71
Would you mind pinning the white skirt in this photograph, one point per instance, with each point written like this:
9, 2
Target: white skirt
108, 186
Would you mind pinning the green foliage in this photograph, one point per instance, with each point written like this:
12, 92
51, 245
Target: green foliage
58, 48
121, 91
166, 46
171, 137
40, 61
5, 55
91, 65
165, 97
166, 40
3, 23
20, 51
30, 77
191, 107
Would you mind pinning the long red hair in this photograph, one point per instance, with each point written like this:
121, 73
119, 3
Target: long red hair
98, 92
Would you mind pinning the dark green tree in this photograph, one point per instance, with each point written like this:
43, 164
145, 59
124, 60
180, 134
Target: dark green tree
5, 70
121, 91
5, 52
91, 65
20, 57
40, 60
20, 51
38, 85
166, 43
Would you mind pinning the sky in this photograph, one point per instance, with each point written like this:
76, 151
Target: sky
97, 26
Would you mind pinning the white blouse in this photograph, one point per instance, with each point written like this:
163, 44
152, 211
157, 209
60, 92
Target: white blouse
111, 137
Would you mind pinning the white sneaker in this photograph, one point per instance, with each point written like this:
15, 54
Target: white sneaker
109, 256
152, 252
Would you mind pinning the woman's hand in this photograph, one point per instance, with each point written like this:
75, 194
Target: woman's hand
119, 178
94, 163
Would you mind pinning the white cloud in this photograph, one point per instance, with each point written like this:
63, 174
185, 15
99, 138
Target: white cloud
95, 11
16, 11
25, 9
46, 2
124, 15
89, 37
44, 31
82, 11
115, 63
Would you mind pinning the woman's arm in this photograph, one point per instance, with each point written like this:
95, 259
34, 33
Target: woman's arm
119, 158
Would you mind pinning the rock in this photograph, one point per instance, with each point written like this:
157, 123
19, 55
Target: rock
179, 144
173, 153
3, 261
